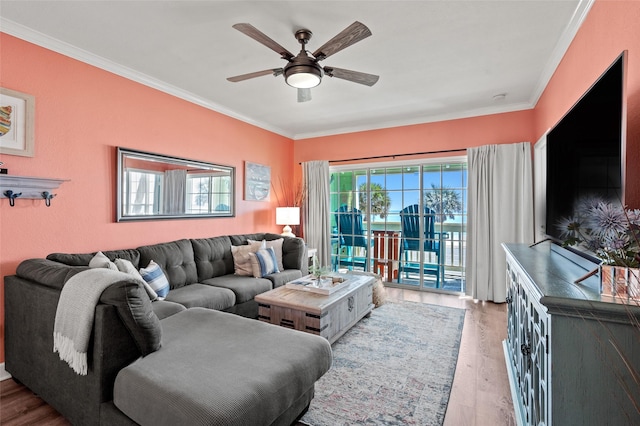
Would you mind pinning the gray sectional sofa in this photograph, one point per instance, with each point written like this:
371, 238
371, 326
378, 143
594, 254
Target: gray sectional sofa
212, 367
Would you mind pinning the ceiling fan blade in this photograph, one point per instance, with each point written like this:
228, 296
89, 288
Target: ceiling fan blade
275, 72
355, 76
350, 35
261, 37
304, 95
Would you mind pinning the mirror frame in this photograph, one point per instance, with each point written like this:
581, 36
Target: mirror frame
123, 153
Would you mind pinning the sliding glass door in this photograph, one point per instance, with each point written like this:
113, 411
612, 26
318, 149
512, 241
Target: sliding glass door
406, 222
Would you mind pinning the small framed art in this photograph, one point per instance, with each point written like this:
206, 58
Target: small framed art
17, 113
257, 182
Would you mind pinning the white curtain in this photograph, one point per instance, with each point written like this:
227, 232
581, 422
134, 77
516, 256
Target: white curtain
500, 211
317, 217
138, 206
175, 185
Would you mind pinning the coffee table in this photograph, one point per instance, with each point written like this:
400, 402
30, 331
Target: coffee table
329, 316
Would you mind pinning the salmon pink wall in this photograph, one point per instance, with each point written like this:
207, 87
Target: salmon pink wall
610, 28
82, 115
440, 136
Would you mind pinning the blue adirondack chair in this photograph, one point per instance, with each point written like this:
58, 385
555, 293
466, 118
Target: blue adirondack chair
351, 235
410, 221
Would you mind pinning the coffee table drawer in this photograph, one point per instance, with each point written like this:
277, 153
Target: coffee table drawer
293, 318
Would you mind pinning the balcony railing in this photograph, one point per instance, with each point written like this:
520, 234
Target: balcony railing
382, 255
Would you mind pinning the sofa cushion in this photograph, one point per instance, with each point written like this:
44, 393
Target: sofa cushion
213, 257
164, 308
134, 308
156, 279
245, 288
83, 259
248, 372
264, 262
176, 260
281, 278
203, 296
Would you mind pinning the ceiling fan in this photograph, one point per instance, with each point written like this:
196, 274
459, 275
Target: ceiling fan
303, 71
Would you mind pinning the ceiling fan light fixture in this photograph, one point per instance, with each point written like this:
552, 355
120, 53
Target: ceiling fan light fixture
302, 70
303, 76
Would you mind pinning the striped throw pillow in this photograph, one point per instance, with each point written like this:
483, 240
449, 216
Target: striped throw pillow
156, 279
264, 262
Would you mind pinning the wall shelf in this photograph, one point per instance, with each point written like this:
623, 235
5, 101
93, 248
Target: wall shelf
29, 187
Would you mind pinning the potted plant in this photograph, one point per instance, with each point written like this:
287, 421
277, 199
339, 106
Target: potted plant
612, 233
318, 271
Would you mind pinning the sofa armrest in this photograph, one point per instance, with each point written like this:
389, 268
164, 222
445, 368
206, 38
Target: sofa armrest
47, 272
30, 309
294, 254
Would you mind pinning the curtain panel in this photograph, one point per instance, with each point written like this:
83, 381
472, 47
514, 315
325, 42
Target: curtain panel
317, 217
175, 191
500, 210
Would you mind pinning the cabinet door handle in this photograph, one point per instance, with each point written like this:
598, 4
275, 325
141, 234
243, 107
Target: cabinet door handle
350, 303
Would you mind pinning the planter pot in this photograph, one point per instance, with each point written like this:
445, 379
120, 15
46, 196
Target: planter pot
620, 281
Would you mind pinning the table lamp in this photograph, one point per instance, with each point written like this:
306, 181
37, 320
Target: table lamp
287, 216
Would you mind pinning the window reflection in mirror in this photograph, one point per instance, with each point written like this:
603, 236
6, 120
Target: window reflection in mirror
153, 186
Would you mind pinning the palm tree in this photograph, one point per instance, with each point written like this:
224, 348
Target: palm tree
380, 200
444, 202
203, 192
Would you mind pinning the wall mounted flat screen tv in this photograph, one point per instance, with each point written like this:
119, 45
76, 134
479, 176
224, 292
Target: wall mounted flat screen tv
585, 150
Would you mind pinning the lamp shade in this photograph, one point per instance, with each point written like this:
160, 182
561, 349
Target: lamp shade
287, 216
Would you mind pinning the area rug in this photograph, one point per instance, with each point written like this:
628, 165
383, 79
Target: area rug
394, 368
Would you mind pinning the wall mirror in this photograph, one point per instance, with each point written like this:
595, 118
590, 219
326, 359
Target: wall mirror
153, 186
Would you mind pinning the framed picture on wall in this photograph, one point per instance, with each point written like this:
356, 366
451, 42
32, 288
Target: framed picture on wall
17, 111
257, 182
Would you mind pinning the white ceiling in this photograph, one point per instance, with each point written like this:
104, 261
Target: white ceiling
436, 59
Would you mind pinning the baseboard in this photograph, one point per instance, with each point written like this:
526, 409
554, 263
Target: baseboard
3, 373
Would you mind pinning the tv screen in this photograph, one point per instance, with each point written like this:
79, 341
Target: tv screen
585, 149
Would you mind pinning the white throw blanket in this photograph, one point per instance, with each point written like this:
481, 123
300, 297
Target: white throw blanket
75, 312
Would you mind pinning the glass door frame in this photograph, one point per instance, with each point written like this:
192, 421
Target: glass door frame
366, 170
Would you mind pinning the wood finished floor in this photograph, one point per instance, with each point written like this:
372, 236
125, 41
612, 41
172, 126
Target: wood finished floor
480, 395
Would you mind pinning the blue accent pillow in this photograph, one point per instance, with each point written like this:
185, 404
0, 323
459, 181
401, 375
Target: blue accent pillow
156, 279
264, 262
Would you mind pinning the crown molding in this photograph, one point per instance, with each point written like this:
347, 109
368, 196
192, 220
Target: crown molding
27, 34
478, 112
40, 39
560, 49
